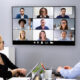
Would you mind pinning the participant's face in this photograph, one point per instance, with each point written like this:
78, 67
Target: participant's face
63, 12
43, 22
63, 24
42, 36
1, 45
22, 24
22, 35
43, 12
63, 35
22, 11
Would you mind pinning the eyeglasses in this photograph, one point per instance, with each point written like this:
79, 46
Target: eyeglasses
43, 11
63, 23
2, 42
42, 22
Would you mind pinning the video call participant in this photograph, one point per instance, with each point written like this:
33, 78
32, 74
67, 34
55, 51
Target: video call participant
21, 15
69, 72
42, 26
63, 13
42, 36
22, 23
22, 35
5, 63
64, 36
64, 24
43, 13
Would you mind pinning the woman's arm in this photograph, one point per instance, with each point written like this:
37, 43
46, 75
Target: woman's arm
13, 67
8, 74
5, 74
8, 62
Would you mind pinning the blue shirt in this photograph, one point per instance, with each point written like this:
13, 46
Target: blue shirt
71, 73
19, 16
60, 16
39, 27
66, 39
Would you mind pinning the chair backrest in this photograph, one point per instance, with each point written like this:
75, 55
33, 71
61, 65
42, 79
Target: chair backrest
10, 53
1, 78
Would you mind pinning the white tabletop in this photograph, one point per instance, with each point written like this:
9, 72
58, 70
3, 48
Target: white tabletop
20, 78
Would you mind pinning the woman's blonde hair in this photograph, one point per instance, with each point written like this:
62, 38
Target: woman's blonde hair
22, 31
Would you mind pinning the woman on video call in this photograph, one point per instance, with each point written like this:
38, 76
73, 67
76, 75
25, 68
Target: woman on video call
22, 35
5, 63
42, 36
43, 13
64, 24
22, 23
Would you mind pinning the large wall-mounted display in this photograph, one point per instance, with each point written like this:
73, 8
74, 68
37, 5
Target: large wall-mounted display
43, 25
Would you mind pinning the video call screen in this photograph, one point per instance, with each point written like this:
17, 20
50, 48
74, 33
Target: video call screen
53, 25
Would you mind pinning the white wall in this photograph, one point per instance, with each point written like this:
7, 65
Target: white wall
26, 55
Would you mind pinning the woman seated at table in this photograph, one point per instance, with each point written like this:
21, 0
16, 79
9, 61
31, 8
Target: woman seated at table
5, 63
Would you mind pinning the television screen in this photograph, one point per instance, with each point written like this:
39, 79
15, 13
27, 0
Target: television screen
43, 25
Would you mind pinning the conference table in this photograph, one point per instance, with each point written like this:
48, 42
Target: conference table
29, 78
43, 79
25, 78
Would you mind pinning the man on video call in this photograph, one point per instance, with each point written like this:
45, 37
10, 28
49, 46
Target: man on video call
63, 13
21, 15
64, 36
42, 26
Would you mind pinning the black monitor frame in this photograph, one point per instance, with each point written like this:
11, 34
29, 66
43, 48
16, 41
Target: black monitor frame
61, 43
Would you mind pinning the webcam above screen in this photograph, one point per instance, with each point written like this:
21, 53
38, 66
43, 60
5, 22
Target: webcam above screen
43, 25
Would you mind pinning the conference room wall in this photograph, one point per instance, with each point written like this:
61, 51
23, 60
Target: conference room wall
28, 55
